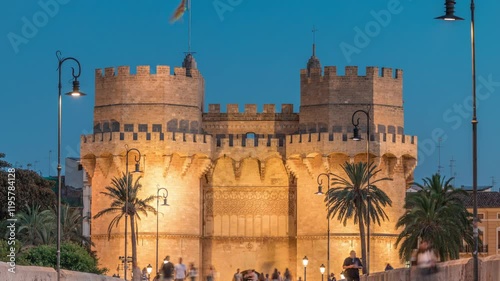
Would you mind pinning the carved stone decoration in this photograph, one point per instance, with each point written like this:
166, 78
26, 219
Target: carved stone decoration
89, 165
246, 200
249, 246
167, 159
187, 163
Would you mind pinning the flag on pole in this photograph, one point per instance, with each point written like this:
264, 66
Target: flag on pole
179, 12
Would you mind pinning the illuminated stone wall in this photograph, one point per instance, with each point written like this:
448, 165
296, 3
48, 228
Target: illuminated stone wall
241, 184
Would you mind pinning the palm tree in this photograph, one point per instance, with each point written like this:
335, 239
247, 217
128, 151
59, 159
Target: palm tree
71, 225
36, 226
136, 206
435, 214
349, 199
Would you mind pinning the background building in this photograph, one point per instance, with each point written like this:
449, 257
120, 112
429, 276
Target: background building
241, 184
77, 190
488, 212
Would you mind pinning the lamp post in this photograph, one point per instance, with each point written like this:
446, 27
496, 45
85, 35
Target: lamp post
450, 16
305, 261
136, 170
75, 93
164, 196
149, 269
320, 192
357, 137
322, 270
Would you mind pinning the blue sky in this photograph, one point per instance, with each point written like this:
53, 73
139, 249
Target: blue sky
251, 52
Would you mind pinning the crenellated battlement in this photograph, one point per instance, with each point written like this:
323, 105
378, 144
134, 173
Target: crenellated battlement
146, 137
330, 72
148, 96
142, 70
343, 137
250, 113
251, 109
380, 143
338, 96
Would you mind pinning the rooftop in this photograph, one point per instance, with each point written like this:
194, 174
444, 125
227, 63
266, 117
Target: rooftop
484, 200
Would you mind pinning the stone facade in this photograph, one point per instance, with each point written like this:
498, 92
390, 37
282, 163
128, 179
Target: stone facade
241, 184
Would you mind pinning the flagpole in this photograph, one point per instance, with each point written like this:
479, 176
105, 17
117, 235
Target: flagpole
189, 26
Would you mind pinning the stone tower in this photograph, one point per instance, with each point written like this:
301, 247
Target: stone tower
241, 184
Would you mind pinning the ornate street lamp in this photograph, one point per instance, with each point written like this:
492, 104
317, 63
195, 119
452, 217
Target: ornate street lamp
357, 137
137, 159
149, 269
450, 16
305, 261
75, 93
164, 197
320, 192
322, 270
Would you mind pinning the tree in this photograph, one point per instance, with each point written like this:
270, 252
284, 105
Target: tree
136, 206
3, 163
36, 227
435, 214
347, 200
71, 225
73, 257
30, 190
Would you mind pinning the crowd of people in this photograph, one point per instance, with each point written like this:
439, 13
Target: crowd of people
276, 275
252, 275
424, 258
180, 272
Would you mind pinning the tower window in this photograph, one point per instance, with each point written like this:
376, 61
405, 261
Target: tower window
143, 127
129, 127
156, 127
115, 126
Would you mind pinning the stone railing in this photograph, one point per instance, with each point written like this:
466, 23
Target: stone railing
456, 270
32, 273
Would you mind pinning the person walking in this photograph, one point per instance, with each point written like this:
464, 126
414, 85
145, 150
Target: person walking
332, 277
211, 273
193, 272
144, 276
238, 276
167, 270
275, 276
426, 262
262, 277
287, 275
351, 267
180, 271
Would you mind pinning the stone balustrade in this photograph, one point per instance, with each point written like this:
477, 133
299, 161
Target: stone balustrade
456, 270
37, 273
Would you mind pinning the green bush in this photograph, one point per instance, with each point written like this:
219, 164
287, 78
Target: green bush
5, 250
73, 257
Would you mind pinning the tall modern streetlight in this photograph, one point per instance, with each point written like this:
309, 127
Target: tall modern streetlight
75, 93
305, 261
320, 192
450, 16
164, 197
357, 137
137, 159
322, 270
